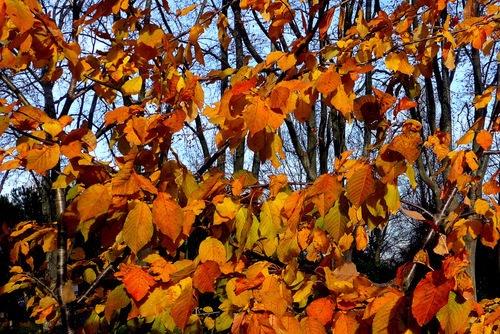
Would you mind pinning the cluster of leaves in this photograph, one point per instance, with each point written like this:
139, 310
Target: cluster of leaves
269, 258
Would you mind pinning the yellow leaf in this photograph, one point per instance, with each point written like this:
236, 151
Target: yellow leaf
186, 10
43, 159
132, 87
89, 275
195, 32
53, 127
151, 36
481, 101
212, 249
336, 220
466, 138
481, 206
471, 159
138, 226
287, 62
361, 25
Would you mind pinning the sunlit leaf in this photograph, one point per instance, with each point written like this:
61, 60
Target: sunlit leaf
484, 139
20, 14
321, 309
430, 295
205, 275
94, 202
184, 306
138, 226
360, 185
132, 86
168, 215
212, 249
42, 159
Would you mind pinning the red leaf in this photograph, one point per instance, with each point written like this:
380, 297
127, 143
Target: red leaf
325, 22
430, 295
205, 275
137, 281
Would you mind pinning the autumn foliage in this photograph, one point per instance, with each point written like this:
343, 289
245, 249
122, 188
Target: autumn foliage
143, 241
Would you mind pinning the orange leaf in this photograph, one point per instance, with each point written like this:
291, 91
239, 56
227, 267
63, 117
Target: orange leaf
243, 86
466, 138
321, 309
489, 235
163, 269
277, 183
346, 324
184, 307
137, 281
20, 14
212, 249
440, 141
243, 284
384, 100
328, 81
360, 185
387, 318
128, 182
118, 115
94, 201
43, 159
302, 111
138, 226
404, 104
205, 275
361, 238
256, 115
484, 139
481, 101
310, 325
168, 215
287, 62
186, 10
324, 192
430, 295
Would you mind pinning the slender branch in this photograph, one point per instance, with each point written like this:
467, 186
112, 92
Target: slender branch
94, 285
212, 159
39, 282
14, 89
45, 141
